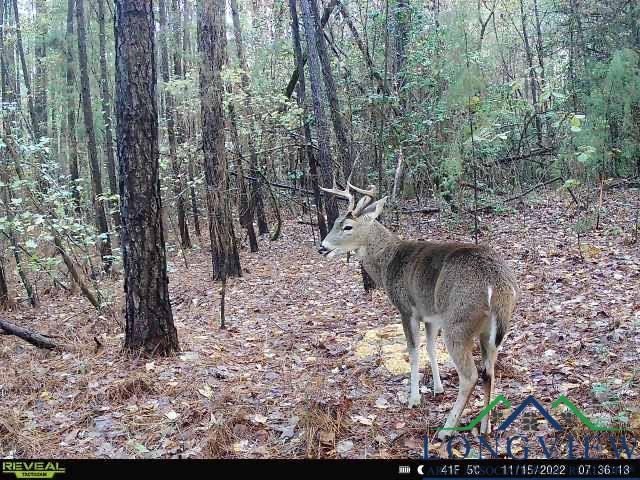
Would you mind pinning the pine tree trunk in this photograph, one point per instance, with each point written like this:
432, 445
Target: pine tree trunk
293, 81
212, 43
245, 213
186, 60
5, 90
8, 89
322, 131
107, 114
72, 139
256, 204
531, 73
175, 19
9, 47
94, 165
169, 112
149, 320
25, 73
40, 77
400, 22
301, 99
5, 300
540, 54
345, 159
41, 128
194, 198
186, 35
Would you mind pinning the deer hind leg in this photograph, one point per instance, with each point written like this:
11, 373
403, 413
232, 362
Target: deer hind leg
412, 335
461, 354
432, 331
489, 355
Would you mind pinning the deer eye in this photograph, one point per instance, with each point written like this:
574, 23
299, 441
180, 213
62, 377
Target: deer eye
347, 227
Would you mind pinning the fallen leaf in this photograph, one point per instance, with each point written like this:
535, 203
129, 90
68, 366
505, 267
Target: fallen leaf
344, 446
206, 391
171, 415
381, 402
328, 438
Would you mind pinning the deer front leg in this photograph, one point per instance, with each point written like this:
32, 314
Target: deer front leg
412, 334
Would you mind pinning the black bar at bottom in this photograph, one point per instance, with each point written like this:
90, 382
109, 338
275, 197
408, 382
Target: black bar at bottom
404, 469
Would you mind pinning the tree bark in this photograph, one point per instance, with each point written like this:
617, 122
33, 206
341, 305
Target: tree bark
540, 54
332, 96
531, 73
40, 77
245, 214
256, 204
186, 35
176, 30
7, 96
194, 198
293, 81
148, 315
169, 104
212, 43
5, 299
7, 57
322, 131
107, 111
96, 174
301, 100
25, 74
184, 64
72, 139
400, 21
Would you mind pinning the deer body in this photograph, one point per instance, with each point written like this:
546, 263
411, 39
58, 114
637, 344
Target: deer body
466, 291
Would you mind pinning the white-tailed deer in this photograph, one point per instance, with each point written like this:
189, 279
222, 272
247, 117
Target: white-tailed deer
467, 291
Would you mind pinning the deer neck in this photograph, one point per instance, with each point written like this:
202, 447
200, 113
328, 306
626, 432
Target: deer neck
374, 255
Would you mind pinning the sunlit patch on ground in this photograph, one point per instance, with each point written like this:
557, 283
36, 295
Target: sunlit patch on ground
388, 342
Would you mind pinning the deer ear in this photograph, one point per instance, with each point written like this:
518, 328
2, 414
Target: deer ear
374, 210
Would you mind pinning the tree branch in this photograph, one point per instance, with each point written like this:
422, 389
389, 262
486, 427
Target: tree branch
34, 338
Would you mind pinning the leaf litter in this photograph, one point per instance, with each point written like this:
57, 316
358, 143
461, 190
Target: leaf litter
310, 365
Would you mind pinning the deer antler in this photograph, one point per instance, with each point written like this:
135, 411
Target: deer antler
342, 194
368, 197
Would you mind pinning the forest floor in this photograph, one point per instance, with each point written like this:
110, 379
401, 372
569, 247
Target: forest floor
311, 366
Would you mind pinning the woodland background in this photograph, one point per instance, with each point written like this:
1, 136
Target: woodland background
510, 122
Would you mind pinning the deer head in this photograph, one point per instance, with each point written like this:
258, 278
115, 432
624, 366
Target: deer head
350, 230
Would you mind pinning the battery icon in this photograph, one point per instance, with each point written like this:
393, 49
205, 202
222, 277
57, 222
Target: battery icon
404, 469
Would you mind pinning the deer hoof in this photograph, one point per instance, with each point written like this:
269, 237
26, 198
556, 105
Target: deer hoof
414, 401
443, 435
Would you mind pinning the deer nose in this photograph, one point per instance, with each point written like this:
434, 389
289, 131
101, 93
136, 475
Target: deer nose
322, 250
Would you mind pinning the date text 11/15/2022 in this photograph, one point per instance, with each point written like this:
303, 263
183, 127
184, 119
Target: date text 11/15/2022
526, 469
